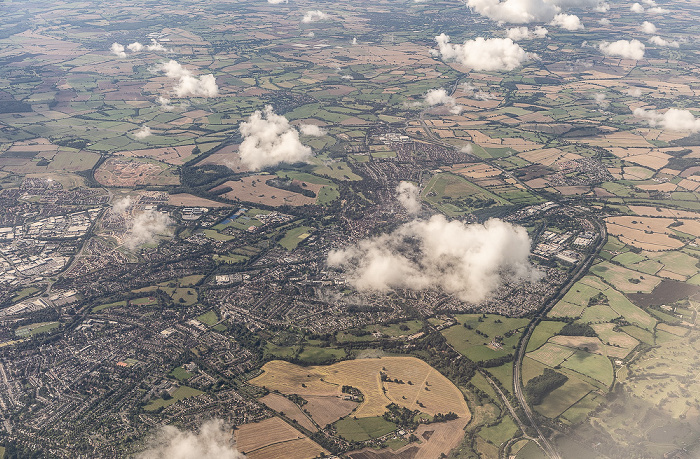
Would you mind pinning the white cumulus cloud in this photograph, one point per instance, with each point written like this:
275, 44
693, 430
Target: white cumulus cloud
604, 21
472, 91
121, 205
637, 8
440, 97
484, 54
146, 227
164, 103
143, 132
311, 130
314, 15
658, 41
647, 27
117, 50
628, 49
408, 195
523, 33
527, 11
569, 22
214, 441
277, 2
135, 47
188, 84
634, 92
515, 11
270, 140
601, 100
673, 119
469, 261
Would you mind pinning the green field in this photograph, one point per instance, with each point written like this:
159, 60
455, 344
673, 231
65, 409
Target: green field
189, 281
500, 433
145, 301
180, 393
24, 293
208, 318
595, 366
36, 329
560, 399
474, 345
181, 374
183, 296
504, 374
578, 412
363, 429
212, 234
317, 355
455, 196
544, 330
108, 305
295, 236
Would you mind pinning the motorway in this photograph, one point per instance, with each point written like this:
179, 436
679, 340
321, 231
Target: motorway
581, 270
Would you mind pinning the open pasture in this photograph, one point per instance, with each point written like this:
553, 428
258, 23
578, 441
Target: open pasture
474, 341
254, 189
624, 279
595, 366
456, 196
562, 398
441, 395
171, 155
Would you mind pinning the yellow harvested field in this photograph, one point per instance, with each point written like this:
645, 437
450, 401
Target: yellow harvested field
645, 233
618, 139
664, 187
304, 448
657, 225
170, 155
255, 436
551, 354
565, 309
649, 211
476, 171
609, 336
430, 388
282, 404
547, 156
274, 438
442, 437
326, 410
636, 173
588, 343
253, 188
691, 185
654, 160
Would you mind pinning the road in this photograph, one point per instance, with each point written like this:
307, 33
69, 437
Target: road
581, 270
510, 408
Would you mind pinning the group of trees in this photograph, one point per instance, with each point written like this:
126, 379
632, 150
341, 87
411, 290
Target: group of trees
540, 386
